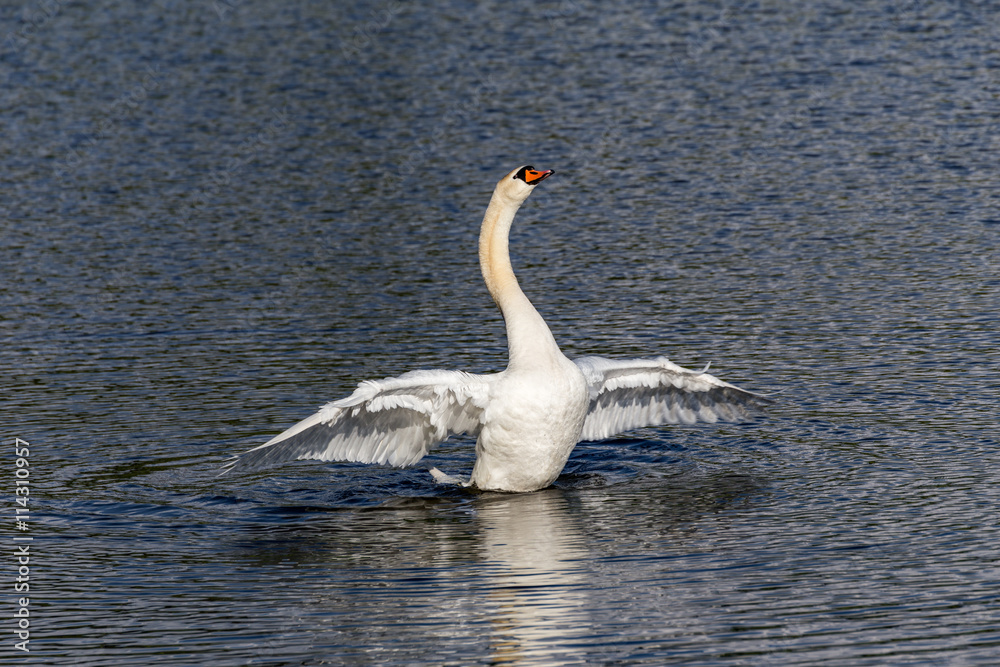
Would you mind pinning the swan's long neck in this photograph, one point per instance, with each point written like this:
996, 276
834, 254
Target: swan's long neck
528, 337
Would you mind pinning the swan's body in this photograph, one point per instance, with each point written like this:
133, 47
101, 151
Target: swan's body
528, 417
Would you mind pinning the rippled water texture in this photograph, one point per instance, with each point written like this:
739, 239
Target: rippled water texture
218, 216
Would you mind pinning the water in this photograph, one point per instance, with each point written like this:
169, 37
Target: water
219, 216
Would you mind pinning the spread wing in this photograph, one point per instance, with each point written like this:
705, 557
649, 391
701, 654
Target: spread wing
627, 394
395, 421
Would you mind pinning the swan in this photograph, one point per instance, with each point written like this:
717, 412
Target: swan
528, 417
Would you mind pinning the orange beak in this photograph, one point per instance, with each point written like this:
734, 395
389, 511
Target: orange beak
534, 177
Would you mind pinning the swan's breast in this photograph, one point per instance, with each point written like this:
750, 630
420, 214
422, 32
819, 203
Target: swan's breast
532, 424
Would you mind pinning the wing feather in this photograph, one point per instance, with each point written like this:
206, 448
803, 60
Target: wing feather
632, 393
395, 421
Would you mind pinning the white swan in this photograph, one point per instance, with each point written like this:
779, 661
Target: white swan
528, 417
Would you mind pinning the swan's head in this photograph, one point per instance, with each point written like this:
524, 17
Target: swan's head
518, 184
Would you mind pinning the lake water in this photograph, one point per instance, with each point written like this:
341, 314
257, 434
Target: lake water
218, 216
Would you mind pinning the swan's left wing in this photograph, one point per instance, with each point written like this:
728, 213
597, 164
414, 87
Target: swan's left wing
627, 394
395, 421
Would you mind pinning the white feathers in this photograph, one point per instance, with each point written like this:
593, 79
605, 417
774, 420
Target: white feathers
627, 394
399, 420
395, 421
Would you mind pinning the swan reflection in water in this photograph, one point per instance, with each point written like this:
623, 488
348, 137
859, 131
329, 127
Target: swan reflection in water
520, 579
536, 572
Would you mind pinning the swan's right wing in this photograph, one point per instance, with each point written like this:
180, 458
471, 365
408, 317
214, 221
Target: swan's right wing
395, 421
632, 393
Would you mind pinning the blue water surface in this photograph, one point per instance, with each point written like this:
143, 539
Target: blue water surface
217, 216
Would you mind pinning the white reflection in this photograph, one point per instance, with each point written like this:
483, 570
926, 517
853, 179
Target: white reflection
536, 570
